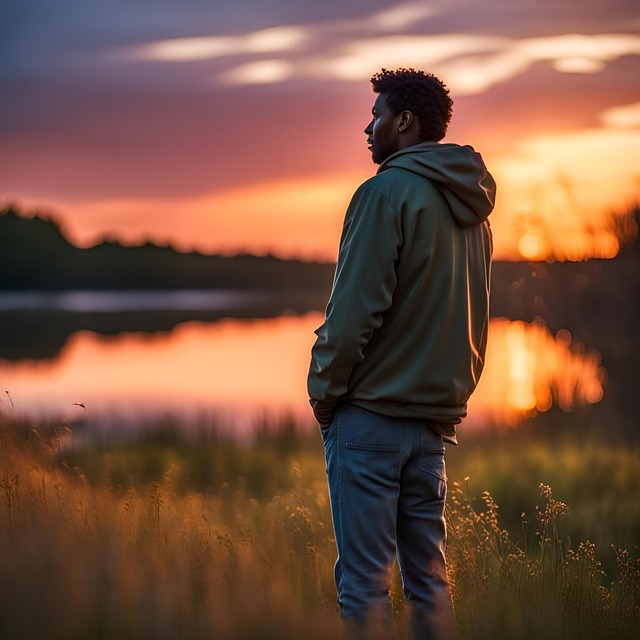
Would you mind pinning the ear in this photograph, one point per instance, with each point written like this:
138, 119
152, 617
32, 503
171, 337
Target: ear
406, 120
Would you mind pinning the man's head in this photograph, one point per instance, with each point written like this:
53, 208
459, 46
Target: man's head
411, 107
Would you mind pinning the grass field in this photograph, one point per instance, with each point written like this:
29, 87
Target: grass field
163, 536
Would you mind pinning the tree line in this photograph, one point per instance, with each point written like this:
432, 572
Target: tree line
36, 255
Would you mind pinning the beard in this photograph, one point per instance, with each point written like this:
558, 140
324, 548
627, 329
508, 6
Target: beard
381, 152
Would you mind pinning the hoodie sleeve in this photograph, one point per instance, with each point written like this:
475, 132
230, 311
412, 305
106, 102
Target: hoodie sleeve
363, 288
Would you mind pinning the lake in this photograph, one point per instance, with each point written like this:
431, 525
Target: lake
243, 370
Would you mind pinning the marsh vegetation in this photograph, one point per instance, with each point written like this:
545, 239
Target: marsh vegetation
169, 536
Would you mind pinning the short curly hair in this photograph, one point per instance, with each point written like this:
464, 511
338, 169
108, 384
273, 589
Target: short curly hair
426, 96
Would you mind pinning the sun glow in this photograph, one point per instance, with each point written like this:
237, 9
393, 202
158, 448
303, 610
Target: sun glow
557, 194
532, 247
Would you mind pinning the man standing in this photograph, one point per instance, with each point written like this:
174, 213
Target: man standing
400, 352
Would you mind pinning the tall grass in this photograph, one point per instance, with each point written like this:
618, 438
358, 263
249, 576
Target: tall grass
163, 537
536, 588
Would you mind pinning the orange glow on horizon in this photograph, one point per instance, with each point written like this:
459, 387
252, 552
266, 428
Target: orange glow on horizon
292, 218
555, 198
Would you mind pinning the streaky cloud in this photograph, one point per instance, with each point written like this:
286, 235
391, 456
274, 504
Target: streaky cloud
275, 40
624, 116
280, 39
475, 63
403, 15
470, 63
355, 62
259, 72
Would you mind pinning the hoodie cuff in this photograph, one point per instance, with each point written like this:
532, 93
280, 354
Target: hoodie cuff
323, 411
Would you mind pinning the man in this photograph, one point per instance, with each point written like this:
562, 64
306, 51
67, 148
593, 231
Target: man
400, 352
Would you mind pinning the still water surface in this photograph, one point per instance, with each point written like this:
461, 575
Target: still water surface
241, 370
83, 301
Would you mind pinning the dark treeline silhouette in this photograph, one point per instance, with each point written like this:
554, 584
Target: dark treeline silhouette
35, 255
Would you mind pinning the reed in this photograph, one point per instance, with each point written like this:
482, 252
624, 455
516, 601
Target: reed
142, 539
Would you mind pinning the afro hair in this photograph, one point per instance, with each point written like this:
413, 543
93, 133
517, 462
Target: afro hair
426, 96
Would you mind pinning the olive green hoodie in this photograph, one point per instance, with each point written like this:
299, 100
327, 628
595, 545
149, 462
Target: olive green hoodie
406, 324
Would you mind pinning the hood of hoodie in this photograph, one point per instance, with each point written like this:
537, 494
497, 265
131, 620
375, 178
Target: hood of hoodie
466, 185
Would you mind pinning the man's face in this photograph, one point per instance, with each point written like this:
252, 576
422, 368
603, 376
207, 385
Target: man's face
382, 131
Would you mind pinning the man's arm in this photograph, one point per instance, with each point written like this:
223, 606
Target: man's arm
363, 288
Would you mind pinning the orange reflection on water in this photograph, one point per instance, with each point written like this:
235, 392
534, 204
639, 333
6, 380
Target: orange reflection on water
528, 369
242, 369
234, 367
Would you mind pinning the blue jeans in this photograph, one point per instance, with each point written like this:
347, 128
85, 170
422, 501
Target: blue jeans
387, 485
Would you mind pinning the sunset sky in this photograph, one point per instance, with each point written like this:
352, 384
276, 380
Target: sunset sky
228, 126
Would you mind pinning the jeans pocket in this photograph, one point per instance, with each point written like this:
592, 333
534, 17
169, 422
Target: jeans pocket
380, 448
432, 463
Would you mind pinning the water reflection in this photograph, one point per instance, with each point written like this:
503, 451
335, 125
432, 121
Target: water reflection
528, 370
245, 368
113, 302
